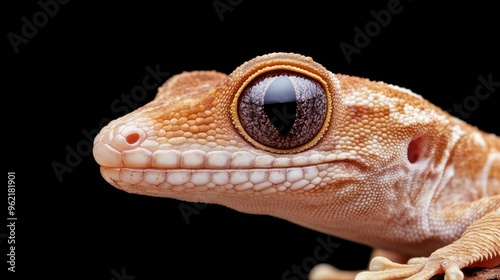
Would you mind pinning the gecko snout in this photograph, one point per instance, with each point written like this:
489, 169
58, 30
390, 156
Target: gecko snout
112, 143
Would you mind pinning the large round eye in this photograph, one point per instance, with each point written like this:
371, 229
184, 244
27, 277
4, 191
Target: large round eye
282, 109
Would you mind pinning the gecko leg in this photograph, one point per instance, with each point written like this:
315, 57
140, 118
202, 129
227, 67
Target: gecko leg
478, 246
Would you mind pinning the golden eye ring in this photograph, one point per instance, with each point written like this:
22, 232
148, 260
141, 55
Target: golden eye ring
274, 134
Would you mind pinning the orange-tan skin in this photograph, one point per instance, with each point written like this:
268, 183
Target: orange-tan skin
413, 199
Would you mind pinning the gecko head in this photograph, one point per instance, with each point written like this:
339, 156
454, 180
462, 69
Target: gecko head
279, 130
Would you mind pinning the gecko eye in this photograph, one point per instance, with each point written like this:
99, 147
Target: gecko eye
282, 109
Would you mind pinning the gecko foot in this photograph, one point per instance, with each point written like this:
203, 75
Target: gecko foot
417, 269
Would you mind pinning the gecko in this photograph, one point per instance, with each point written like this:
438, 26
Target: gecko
361, 160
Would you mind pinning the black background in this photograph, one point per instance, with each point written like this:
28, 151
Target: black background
64, 80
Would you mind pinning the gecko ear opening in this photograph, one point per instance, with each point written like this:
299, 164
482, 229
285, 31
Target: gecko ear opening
417, 147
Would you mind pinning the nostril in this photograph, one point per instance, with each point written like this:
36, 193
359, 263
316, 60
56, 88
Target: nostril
417, 147
126, 138
132, 138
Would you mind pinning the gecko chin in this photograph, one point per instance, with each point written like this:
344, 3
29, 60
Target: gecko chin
279, 192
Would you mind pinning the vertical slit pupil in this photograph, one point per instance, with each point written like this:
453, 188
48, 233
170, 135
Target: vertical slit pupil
280, 104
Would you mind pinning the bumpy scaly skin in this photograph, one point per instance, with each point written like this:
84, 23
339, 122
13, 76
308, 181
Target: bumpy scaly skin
388, 169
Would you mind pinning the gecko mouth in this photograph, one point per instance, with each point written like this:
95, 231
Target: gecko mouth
259, 180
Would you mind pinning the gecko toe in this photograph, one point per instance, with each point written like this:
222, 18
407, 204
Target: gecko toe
453, 272
327, 272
